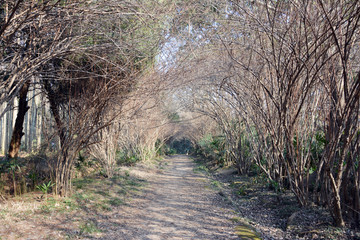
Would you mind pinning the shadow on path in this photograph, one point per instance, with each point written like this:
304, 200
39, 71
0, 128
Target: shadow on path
179, 204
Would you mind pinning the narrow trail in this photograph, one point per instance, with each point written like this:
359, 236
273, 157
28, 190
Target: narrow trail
177, 204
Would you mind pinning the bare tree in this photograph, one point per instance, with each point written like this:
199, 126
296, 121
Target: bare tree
278, 71
30, 37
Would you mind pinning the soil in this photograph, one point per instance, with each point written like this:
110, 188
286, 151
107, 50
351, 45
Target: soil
277, 215
175, 199
176, 203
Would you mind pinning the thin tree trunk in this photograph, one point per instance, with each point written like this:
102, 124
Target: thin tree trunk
336, 204
61, 178
3, 133
18, 128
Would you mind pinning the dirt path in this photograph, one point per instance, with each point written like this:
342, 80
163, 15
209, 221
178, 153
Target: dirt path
178, 204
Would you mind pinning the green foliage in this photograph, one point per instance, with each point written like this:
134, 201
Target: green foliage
318, 146
312, 170
260, 179
69, 204
81, 182
242, 191
11, 166
52, 205
174, 117
240, 188
273, 185
215, 184
88, 227
235, 219
171, 151
103, 206
116, 202
45, 187
3, 213
14, 166
212, 148
180, 146
160, 148
254, 170
82, 162
46, 209
201, 168
102, 194
33, 176
126, 158
245, 231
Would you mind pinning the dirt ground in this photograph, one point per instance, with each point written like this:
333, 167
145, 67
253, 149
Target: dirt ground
176, 203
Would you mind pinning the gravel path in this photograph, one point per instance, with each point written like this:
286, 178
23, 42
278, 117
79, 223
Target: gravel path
177, 204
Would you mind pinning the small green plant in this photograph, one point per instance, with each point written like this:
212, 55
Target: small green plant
80, 162
133, 182
102, 172
83, 197
122, 192
88, 227
124, 158
3, 214
242, 191
216, 184
80, 183
103, 193
48, 207
102, 206
69, 204
235, 219
33, 176
171, 151
115, 202
201, 168
45, 187
273, 185
14, 166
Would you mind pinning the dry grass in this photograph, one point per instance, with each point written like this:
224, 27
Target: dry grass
32, 217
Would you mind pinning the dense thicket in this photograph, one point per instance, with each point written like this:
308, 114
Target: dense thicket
271, 86
280, 80
86, 61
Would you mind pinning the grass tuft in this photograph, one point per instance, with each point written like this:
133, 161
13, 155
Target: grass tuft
88, 228
116, 202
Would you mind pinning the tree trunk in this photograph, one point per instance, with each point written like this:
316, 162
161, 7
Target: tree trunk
54, 107
62, 176
18, 128
336, 204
